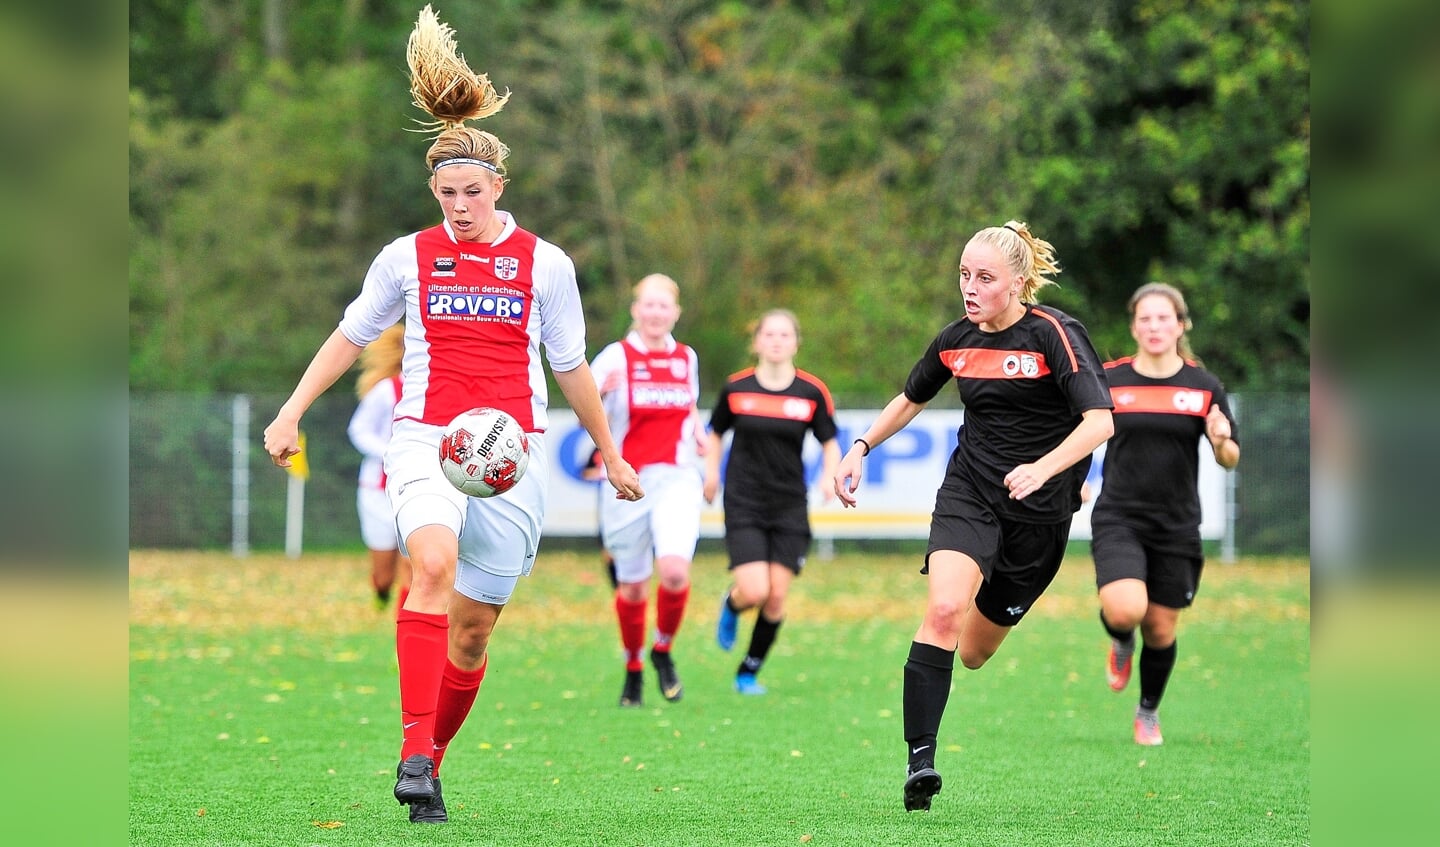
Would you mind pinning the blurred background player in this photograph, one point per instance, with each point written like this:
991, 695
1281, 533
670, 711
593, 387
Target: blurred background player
650, 384
379, 389
770, 408
1145, 530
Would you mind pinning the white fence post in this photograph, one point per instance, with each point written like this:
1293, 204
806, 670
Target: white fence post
240, 476
1232, 509
294, 515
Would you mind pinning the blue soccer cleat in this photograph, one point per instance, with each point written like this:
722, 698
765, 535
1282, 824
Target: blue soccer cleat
728, 623
746, 683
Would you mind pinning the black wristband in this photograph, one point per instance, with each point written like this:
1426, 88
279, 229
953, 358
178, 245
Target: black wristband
867, 446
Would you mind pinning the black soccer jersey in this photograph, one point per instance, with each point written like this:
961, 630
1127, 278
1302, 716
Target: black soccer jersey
1024, 390
1152, 463
765, 470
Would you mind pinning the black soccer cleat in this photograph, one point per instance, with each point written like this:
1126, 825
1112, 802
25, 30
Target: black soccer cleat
413, 780
431, 812
922, 783
631, 695
668, 677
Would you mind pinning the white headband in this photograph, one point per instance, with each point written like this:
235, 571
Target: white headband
464, 161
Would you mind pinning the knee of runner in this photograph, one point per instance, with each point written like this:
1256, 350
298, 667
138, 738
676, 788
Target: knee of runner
974, 659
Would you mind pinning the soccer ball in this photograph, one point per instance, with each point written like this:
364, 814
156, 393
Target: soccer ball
484, 452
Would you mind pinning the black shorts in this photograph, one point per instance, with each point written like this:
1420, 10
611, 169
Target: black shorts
782, 536
1169, 563
1018, 560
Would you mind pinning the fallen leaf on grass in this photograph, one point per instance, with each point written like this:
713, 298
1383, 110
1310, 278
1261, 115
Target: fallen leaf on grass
328, 824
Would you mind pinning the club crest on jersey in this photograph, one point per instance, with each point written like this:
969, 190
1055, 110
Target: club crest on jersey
1024, 364
506, 267
444, 266
677, 368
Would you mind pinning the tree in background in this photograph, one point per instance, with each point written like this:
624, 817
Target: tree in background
822, 156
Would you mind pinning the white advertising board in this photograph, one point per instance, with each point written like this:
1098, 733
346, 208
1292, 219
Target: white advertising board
895, 497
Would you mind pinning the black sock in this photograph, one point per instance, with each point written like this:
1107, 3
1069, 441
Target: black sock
1155, 666
927, 687
730, 603
761, 640
1124, 636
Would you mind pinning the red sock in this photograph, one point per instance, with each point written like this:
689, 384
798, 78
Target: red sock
632, 630
457, 694
669, 611
404, 592
421, 644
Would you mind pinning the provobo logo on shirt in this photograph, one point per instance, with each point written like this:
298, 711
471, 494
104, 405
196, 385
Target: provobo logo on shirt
477, 305
660, 396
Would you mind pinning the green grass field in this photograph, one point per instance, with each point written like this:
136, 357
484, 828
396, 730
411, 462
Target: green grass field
264, 711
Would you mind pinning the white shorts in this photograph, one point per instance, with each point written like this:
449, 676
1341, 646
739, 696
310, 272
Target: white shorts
377, 521
665, 522
499, 536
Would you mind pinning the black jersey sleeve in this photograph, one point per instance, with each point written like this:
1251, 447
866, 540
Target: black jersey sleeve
822, 424
721, 418
1220, 398
1078, 368
930, 374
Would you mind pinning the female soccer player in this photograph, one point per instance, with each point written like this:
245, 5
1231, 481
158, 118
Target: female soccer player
769, 407
479, 296
1036, 407
650, 384
1145, 530
369, 430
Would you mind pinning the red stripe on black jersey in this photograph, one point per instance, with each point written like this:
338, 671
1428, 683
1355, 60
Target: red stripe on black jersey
1064, 339
772, 406
1125, 360
1160, 400
985, 363
820, 384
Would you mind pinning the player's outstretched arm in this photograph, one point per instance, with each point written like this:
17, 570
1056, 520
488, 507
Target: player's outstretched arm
896, 415
578, 386
334, 358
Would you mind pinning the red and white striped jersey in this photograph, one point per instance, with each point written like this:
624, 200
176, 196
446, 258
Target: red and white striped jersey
651, 408
476, 315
